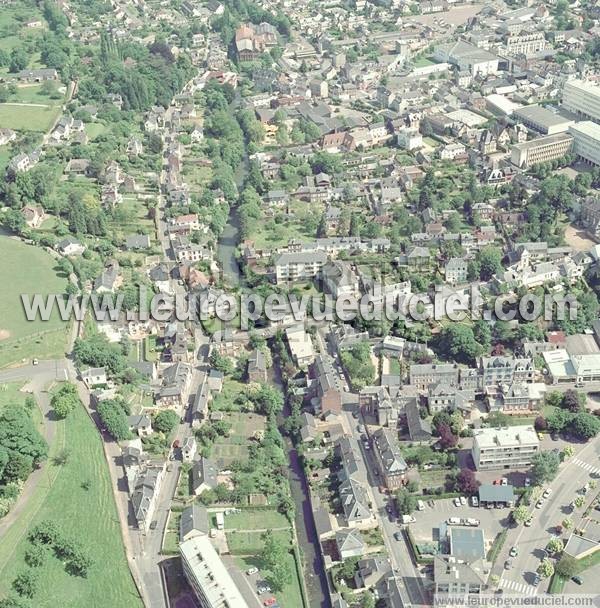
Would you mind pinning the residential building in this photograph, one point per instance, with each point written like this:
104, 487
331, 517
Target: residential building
421, 375
299, 266
392, 465
204, 475
456, 271
505, 370
208, 576
506, 448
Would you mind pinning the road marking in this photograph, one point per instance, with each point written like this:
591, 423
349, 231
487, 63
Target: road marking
522, 588
586, 466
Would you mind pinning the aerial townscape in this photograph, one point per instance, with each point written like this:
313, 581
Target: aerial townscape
435, 159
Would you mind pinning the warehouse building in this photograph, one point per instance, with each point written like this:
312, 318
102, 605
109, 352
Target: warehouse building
543, 120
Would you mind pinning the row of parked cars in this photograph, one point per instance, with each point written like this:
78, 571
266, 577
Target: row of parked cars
462, 521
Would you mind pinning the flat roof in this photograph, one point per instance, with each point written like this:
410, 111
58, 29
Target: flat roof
544, 140
496, 493
542, 116
211, 573
586, 127
506, 436
467, 543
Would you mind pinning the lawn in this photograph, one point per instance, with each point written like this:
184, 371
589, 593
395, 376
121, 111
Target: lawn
235, 446
87, 515
256, 519
10, 392
27, 117
22, 338
34, 94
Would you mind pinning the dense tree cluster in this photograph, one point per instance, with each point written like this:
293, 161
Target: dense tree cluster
358, 364
113, 413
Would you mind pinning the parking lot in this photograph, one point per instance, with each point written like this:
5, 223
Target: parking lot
492, 521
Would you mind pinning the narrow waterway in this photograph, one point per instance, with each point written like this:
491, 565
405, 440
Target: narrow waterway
314, 569
226, 249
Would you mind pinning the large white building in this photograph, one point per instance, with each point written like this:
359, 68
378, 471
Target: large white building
582, 98
208, 576
586, 141
510, 447
467, 56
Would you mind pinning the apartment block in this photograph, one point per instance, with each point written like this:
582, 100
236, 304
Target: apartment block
541, 150
505, 448
208, 575
299, 266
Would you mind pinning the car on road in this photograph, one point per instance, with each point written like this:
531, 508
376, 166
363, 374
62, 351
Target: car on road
361, 428
513, 552
251, 571
463, 501
474, 501
537, 579
153, 525
270, 601
397, 536
528, 522
508, 564
577, 580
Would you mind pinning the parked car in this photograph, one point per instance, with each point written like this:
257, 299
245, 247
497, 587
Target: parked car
153, 525
504, 481
539, 503
269, 601
397, 536
251, 571
456, 502
527, 482
463, 501
508, 564
513, 552
471, 521
577, 579
474, 501
420, 505
453, 521
547, 492
408, 519
528, 522
536, 580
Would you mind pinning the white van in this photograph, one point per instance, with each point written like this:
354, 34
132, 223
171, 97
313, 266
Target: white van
420, 505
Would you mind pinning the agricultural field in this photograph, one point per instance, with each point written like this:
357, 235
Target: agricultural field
19, 338
87, 513
27, 117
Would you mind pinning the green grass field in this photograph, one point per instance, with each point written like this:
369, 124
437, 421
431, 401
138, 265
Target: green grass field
256, 519
89, 516
27, 270
27, 117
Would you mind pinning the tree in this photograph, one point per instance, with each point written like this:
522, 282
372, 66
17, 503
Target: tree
555, 545
457, 342
568, 566
467, 482
579, 502
520, 515
26, 583
544, 467
540, 424
367, 600
573, 401
585, 426
65, 400
36, 555
113, 415
448, 439
567, 523
18, 60
165, 421
546, 568
490, 262
567, 452
406, 503
221, 363
558, 420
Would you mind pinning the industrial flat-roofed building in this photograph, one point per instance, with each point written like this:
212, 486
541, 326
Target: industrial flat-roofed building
208, 576
504, 448
543, 120
541, 150
586, 141
582, 98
